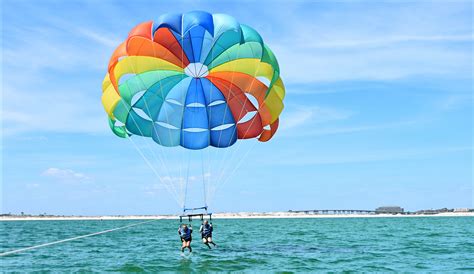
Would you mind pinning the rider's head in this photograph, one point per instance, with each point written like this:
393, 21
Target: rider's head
206, 222
185, 226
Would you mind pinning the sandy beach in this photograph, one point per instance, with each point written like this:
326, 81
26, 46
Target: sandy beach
239, 215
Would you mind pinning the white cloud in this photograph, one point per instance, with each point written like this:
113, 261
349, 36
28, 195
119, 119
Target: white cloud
322, 131
352, 43
154, 189
306, 65
55, 96
32, 185
371, 156
111, 42
455, 101
306, 116
35, 109
65, 175
382, 41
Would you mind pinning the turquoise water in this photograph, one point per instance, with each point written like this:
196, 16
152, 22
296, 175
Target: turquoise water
298, 245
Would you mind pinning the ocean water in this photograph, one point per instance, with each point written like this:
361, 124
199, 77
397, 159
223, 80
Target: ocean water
246, 245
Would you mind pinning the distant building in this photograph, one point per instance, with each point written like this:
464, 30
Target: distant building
388, 210
461, 210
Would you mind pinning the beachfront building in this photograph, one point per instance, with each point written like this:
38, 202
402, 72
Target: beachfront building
462, 210
389, 210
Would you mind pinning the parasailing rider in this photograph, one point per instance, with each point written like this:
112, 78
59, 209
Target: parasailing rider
206, 233
185, 234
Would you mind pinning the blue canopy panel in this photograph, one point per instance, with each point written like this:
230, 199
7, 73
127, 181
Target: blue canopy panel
195, 25
178, 92
187, 46
163, 87
150, 104
195, 131
227, 32
206, 46
171, 114
171, 21
211, 92
224, 23
138, 125
166, 135
225, 137
251, 35
191, 34
195, 117
197, 37
195, 138
219, 115
197, 18
195, 94
153, 97
221, 121
170, 117
166, 129
222, 125
225, 41
192, 42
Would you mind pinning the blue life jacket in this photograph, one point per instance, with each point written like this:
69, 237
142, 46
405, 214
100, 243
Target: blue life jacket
185, 234
206, 229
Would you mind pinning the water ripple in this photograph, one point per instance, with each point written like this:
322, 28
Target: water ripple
273, 245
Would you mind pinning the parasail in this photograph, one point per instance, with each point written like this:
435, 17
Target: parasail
194, 80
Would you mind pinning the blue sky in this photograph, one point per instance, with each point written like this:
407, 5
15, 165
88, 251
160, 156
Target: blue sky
379, 109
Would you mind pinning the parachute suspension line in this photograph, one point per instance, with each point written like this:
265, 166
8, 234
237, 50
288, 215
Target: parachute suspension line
203, 180
151, 148
173, 193
181, 179
161, 155
220, 185
186, 184
209, 126
222, 161
225, 166
209, 176
171, 189
224, 169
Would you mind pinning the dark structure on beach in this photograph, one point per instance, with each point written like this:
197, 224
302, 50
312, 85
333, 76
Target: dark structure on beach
389, 210
333, 211
379, 210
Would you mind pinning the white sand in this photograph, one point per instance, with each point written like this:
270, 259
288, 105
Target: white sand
240, 215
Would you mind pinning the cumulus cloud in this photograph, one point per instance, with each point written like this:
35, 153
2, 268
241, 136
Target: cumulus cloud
65, 174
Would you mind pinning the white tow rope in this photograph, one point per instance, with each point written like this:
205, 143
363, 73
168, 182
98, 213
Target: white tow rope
71, 239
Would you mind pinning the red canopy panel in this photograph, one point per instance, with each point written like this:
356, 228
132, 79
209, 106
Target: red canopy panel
240, 105
164, 37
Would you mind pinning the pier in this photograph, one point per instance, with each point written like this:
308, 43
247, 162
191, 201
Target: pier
334, 211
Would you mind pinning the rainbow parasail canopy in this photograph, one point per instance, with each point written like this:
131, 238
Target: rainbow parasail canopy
193, 80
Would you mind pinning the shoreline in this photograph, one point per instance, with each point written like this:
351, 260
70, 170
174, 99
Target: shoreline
241, 215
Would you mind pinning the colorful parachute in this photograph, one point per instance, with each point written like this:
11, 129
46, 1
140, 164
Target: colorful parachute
195, 80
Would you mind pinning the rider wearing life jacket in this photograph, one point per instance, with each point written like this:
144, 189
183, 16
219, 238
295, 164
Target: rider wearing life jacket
185, 234
206, 233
